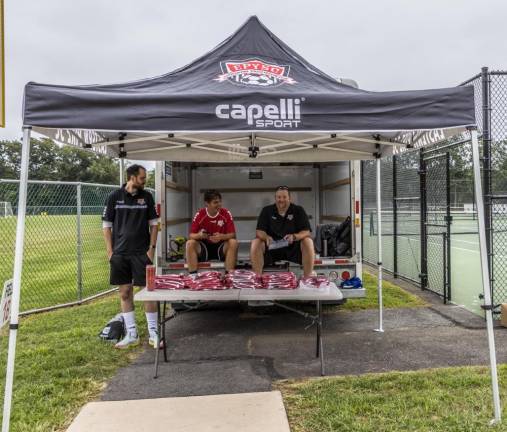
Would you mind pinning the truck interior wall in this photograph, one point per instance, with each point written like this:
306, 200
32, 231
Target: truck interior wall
324, 191
336, 193
245, 197
178, 200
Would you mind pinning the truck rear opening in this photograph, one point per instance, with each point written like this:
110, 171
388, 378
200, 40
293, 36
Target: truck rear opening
329, 192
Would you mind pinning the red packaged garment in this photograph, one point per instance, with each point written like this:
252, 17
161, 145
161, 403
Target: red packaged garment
279, 280
243, 279
187, 279
314, 282
210, 280
169, 282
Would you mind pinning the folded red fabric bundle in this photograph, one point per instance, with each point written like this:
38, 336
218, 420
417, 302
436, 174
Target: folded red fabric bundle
170, 282
210, 280
279, 280
243, 279
314, 282
213, 280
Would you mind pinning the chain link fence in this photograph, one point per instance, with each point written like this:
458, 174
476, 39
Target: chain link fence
400, 215
407, 204
496, 202
64, 256
434, 228
369, 197
436, 232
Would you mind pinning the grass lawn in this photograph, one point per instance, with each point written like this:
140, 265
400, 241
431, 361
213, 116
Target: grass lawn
50, 259
61, 364
453, 399
393, 297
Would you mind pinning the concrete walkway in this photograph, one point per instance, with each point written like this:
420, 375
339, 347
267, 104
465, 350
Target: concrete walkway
247, 412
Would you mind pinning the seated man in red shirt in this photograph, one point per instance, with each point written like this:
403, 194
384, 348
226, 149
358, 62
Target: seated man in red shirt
212, 234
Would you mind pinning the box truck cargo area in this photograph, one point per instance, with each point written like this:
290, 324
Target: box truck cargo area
329, 192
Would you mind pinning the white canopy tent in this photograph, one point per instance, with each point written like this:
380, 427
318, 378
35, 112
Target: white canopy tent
250, 100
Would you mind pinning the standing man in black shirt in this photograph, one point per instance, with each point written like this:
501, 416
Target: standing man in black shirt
283, 221
130, 225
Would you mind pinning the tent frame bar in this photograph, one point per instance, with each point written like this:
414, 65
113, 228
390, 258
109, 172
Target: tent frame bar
243, 150
488, 306
18, 267
380, 327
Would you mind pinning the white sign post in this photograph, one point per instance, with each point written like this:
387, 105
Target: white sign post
5, 303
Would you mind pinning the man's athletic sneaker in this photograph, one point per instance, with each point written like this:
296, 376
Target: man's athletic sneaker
152, 341
128, 341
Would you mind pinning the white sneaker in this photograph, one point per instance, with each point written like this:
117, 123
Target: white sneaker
153, 339
130, 340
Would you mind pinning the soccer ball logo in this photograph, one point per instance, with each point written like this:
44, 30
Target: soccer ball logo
254, 72
257, 80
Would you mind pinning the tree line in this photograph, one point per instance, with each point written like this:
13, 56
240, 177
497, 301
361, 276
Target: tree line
53, 162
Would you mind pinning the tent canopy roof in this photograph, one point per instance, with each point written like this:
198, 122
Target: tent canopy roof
250, 99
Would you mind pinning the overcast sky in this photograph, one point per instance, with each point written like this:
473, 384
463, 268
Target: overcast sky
382, 44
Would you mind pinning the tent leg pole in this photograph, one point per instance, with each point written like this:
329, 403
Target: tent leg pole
488, 305
122, 171
379, 251
18, 266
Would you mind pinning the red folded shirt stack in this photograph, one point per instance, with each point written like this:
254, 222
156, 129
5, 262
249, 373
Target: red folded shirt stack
170, 282
314, 282
210, 280
280, 280
243, 279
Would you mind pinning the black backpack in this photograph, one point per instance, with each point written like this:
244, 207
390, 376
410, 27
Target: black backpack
114, 331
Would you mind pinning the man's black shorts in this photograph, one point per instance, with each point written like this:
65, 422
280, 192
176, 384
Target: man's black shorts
290, 253
128, 269
211, 251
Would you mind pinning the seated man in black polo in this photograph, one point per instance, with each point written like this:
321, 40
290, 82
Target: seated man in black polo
282, 221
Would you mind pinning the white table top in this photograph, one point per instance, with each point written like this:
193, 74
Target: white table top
187, 295
333, 293
240, 295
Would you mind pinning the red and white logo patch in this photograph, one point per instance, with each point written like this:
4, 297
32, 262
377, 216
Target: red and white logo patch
254, 72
